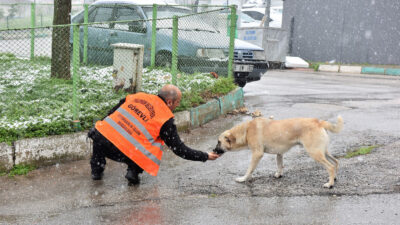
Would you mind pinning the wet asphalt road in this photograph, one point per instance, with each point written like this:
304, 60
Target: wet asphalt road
186, 192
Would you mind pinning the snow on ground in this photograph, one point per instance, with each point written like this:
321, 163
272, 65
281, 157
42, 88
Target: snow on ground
29, 97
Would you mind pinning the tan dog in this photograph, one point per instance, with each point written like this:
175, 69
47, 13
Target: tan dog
279, 136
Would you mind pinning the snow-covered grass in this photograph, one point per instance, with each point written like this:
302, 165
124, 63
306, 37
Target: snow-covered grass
32, 104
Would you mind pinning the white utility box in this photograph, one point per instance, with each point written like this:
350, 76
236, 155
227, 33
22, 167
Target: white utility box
128, 67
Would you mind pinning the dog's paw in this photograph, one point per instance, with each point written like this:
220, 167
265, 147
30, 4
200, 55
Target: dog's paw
277, 175
328, 185
240, 179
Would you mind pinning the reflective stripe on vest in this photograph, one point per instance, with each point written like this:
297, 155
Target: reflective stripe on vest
132, 140
139, 126
134, 128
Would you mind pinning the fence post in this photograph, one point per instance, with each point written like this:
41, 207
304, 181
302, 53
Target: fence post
174, 65
232, 40
33, 23
153, 36
75, 78
85, 34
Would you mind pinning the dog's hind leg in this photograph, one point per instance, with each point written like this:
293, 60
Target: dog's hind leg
319, 156
332, 160
279, 164
255, 159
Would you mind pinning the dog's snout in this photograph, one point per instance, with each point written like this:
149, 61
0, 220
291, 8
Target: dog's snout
218, 149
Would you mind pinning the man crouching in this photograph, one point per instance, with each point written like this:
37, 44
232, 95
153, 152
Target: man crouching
134, 131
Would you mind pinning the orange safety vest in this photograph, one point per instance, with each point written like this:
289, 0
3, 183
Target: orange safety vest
134, 128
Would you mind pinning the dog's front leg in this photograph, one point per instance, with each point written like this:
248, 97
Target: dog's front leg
255, 158
279, 163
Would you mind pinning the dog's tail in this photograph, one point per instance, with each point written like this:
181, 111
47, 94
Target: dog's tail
335, 128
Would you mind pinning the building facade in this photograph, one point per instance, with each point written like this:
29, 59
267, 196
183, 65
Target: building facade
344, 31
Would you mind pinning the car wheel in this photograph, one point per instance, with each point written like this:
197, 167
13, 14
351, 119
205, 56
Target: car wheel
240, 82
164, 59
240, 79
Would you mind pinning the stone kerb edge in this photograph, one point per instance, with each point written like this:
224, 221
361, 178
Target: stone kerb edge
372, 70
6, 157
231, 101
52, 149
359, 69
391, 71
204, 113
350, 69
214, 108
328, 68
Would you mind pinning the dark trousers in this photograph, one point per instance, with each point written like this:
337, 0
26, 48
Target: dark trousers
102, 149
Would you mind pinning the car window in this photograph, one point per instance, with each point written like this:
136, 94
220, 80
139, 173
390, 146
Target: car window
255, 15
131, 14
246, 18
101, 14
166, 11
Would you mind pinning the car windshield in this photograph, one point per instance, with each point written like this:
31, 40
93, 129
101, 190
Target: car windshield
166, 11
254, 14
191, 23
247, 19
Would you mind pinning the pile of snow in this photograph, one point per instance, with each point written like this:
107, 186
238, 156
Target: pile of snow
295, 62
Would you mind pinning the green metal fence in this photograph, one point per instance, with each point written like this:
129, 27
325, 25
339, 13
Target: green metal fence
182, 48
22, 15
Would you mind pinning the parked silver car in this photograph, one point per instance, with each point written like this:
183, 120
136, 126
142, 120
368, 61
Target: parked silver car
202, 47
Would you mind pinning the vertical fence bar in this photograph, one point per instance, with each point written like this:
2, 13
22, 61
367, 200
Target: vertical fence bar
33, 24
85, 34
174, 49
75, 77
153, 36
232, 40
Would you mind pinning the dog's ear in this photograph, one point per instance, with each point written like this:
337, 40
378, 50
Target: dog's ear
230, 138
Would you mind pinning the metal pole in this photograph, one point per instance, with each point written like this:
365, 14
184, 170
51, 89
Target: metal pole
85, 35
33, 18
174, 66
232, 31
153, 36
267, 13
75, 78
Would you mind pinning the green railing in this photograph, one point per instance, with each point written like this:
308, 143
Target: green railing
182, 50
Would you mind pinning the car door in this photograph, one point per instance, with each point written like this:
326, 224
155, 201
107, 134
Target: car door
135, 31
99, 49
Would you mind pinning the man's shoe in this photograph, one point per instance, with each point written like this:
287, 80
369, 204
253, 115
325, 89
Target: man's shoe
132, 177
97, 176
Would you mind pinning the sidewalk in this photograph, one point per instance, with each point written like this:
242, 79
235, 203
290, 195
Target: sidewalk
382, 70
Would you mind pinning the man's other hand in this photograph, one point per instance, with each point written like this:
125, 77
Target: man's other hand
212, 156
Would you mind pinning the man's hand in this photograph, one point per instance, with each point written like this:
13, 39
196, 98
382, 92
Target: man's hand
212, 156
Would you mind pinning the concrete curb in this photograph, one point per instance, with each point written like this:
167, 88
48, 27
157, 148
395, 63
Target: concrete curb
51, 149
359, 69
60, 148
6, 157
329, 68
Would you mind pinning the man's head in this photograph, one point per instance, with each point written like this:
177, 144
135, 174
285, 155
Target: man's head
172, 95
